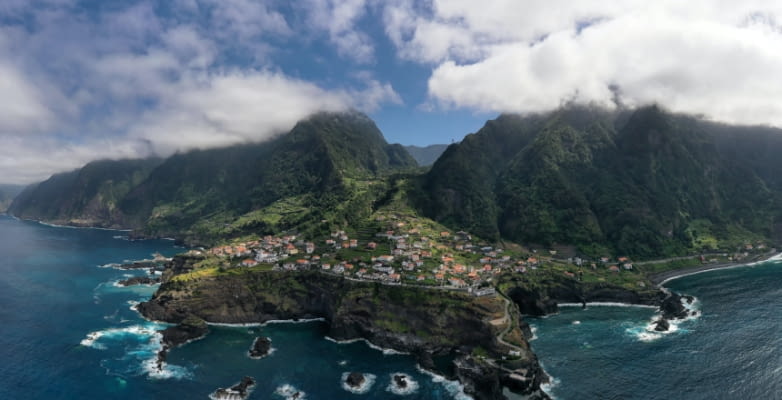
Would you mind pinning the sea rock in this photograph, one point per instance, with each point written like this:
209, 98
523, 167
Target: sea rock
400, 381
261, 347
355, 379
240, 391
661, 325
139, 280
151, 265
190, 328
673, 308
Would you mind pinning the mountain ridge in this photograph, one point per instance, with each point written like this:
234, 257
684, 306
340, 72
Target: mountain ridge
645, 183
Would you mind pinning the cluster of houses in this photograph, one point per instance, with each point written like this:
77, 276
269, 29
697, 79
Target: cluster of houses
400, 253
269, 250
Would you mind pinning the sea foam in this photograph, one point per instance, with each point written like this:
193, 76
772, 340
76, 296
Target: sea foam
385, 351
289, 392
454, 388
412, 385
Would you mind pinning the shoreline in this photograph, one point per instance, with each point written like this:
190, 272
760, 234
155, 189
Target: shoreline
661, 278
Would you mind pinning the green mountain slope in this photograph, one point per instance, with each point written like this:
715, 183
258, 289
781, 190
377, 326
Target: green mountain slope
86, 197
644, 184
321, 170
426, 156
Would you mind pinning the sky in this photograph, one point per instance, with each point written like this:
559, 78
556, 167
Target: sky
87, 79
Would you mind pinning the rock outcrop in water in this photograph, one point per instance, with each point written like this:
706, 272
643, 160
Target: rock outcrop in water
139, 280
355, 380
422, 322
240, 391
188, 329
261, 347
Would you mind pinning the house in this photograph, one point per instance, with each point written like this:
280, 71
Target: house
444, 234
372, 246
623, 259
310, 247
353, 243
325, 267
385, 259
420, 278
291, 249
394, 277
249, 263
627, 265
570, 274
613, 268
457, 282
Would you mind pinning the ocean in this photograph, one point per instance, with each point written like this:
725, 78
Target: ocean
68, 332
733, 350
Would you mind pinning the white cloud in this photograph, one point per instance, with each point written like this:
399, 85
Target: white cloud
339, 19
21, 107
716, 58
132, 83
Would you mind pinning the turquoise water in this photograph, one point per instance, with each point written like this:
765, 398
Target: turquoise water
66, 332
732, 351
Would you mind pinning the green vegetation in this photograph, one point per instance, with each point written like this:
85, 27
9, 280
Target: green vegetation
644, 184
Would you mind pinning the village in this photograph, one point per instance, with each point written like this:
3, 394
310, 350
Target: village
405, 251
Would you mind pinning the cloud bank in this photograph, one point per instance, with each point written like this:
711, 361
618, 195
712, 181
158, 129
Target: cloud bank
139, 80
87, 79
719, 59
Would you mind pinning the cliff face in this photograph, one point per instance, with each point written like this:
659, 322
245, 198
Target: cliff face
423, 322
543, 297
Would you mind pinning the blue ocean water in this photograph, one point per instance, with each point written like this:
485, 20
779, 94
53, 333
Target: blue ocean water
732, 351
67, 332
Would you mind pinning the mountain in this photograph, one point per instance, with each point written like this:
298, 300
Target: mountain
644, 183
88, 196
426, 156
7, 195
327, 168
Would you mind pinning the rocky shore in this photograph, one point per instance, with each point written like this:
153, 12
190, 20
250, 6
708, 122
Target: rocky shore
418, 321
139, 280
188, 329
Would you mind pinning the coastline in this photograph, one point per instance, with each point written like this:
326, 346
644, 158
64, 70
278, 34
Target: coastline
661, 278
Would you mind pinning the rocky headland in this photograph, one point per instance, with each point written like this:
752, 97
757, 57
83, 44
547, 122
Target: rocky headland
186, 330
422, 322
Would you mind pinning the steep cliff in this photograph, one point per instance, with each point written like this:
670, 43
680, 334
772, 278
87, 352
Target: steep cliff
423, 322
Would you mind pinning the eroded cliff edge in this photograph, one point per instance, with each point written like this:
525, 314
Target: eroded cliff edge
423, 322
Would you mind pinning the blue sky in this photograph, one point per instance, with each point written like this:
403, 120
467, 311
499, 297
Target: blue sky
88, 79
